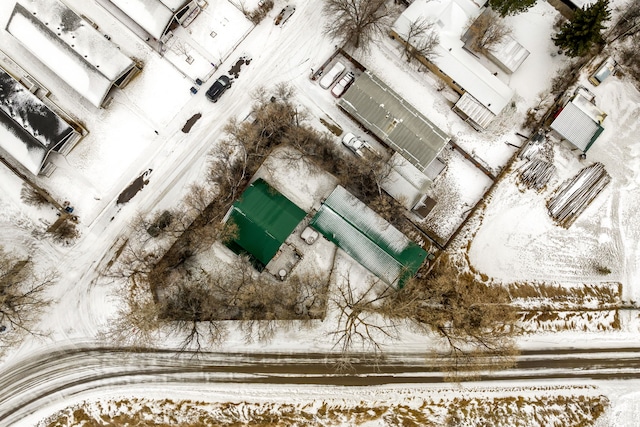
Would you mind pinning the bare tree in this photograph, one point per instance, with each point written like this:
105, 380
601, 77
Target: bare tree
475, 320
32, 196
188, 312
421, 40
487, 31
628, 57
22, 297
362, 322
627, 23
355, 22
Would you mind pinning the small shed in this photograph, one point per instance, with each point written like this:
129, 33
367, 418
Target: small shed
265, 218
368, 238
71, 48
29, 130
579, 122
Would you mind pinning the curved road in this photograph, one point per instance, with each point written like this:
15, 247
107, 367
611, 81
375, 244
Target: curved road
51, 377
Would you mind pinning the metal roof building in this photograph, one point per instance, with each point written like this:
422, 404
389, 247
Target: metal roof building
71, 48
265, 218
579, 122
368, 238
156, 17
393, 120
29, 129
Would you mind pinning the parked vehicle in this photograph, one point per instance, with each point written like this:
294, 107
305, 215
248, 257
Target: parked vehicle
358, 146
332, 75
285, 14
218, 88
343, 84
605, 70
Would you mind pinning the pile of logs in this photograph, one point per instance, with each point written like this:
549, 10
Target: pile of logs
575, 194
536, 174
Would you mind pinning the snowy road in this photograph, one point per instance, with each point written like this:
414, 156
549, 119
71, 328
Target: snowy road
50, 377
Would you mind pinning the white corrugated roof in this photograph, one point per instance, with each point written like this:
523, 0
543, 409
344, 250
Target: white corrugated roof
152, 15
575, 125
451, 17
358, 246
69, 47
475, 110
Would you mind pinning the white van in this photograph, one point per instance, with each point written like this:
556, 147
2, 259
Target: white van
333, 74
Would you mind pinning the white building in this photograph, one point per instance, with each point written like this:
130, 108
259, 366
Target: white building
29, 130
71, 48
484, 95
155, 17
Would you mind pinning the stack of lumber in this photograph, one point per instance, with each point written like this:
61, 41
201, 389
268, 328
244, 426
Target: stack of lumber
575, 194
536, 174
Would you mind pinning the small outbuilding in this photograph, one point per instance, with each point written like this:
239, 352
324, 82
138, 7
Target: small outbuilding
71, 48
368, 238
29, 130
265, 218
579, 122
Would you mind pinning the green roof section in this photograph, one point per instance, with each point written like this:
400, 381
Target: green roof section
368, 238
265, 218
392, 119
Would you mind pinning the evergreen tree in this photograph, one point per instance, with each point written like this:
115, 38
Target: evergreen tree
577, 36
510, 7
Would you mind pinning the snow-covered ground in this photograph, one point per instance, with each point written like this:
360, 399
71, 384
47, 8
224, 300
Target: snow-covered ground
511, 239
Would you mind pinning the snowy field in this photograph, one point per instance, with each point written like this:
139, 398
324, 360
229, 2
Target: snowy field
510, 239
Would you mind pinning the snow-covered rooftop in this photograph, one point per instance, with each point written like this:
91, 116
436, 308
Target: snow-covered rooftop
367, 237
29, 130
508, 54
394, 120
579, 122
153, 16
452, 17
70, 47
174, 5
405, 182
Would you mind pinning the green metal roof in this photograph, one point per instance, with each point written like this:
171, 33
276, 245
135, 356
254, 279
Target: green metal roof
265, 218
396, 122
367, 237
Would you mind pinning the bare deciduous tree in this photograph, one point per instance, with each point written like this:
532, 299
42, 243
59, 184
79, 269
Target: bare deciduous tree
475, 320
362, 322
627, 23
22, 298
421, 40
629, 58
355, 22
31, 196
487, 31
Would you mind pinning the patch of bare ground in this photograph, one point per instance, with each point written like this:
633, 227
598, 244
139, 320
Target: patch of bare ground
554, 407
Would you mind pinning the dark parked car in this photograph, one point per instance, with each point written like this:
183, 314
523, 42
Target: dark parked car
218, 88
